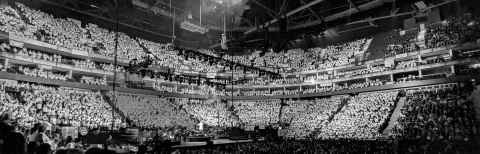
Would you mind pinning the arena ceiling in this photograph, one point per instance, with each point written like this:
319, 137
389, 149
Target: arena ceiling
249, 23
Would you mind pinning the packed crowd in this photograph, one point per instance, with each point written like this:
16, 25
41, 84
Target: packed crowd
298, 60
305, 116
295, 146
55, 59
449, 32
31, 103
257, 113
210, 112
43, 73
452, 31
165, 55
69, 33
440, 117
94, 80
436, 117
358, 85
21, 20
82, 64
299, 84
361, 117
297, 90
398, 42
44, 139
160, 84
153, 112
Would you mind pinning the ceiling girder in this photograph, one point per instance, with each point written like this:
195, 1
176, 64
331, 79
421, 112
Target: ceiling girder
311, 10
284, 5
269, 11
290, 13
348, 12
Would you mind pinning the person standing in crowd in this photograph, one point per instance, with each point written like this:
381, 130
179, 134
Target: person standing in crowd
31, 145
3, 132
44, 148
13, 141
37, 138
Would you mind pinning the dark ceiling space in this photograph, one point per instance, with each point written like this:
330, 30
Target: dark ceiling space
154, 19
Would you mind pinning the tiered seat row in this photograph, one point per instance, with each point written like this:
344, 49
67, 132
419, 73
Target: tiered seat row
153, 112
98, 73
297, 60
210, 112
23, 21
362, 117
451, 32
31, 103
257, 113
71, 34
307, 115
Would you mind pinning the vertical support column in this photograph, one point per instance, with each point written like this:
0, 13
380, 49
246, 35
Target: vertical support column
6, 64
452, 69
40, 70
105, 79
391, 77
70, 74
420, 74
459, 8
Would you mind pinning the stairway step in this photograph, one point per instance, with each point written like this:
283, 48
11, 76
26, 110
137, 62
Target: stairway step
395, 115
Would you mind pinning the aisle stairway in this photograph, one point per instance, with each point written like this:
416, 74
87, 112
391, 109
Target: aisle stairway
108, 99
394, 117
377, 46
344, 103
316, 131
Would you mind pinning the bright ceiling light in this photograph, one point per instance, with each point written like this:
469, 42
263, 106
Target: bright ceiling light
230, 2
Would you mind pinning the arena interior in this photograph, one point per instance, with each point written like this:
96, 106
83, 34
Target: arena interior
239, 76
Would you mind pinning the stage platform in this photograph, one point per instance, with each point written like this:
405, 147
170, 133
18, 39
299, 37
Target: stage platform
215, 142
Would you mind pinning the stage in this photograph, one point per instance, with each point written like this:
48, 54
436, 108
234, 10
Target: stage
215, 142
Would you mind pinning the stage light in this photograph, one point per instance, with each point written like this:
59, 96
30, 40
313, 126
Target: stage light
187, 25
472, 23
229, 2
